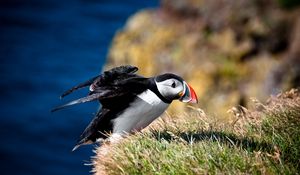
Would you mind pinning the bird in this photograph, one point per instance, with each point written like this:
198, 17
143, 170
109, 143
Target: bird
129, 102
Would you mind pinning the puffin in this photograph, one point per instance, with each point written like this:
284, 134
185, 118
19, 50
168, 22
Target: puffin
129, 102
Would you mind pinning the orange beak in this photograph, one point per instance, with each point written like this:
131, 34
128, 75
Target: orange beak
188, 95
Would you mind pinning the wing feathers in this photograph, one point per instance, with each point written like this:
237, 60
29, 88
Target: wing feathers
81, 85
107, 76
80, 100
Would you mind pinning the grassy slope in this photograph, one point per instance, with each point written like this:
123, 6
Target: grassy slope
261, 141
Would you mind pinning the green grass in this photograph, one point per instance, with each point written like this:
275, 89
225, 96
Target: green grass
260, 142
283, 130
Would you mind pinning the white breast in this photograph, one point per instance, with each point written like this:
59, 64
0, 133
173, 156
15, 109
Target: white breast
140, 113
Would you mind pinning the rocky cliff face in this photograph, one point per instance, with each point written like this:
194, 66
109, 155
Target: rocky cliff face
227, 50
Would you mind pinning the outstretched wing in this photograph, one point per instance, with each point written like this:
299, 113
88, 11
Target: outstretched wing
79, 86
108, 85
104, 78
80, 100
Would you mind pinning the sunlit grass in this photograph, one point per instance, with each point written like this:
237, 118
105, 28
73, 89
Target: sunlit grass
265, 140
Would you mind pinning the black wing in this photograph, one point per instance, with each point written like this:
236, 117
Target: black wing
81, 85
110, 84
118, 99
92, 131
105, 77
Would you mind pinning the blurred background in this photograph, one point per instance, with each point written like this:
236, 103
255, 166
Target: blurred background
46, 47
228, 50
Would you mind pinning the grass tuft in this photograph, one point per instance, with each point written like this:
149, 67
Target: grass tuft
263, 140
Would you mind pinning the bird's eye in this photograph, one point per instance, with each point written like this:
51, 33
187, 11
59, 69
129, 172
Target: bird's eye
173, 85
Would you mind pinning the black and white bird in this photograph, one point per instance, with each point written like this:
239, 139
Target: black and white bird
130, 102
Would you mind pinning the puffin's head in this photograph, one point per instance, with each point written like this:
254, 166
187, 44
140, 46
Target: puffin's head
173, 87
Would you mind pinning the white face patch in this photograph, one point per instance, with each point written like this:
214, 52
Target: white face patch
170, 88
146, 108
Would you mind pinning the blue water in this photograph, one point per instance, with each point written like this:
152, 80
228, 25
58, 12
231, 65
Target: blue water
47, 46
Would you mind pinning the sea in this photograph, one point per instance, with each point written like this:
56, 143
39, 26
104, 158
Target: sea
46, 47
